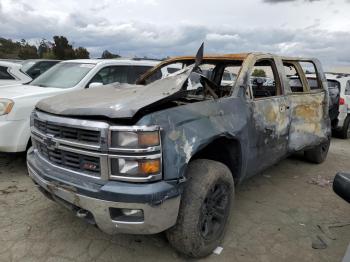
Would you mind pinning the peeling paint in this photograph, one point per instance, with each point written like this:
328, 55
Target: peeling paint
188, 149
174, 135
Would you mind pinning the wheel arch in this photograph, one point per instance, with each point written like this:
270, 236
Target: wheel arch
226, 150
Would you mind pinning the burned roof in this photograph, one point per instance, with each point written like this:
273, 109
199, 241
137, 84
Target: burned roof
206, 58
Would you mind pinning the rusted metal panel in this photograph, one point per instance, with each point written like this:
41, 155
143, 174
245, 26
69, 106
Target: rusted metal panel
189, 59
272, 121
309, 121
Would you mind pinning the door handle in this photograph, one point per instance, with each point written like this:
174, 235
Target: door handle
269, 131
284, 108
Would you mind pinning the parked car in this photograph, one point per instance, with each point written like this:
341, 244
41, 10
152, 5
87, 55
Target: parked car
11, 74
341, 185
35, 67
162, 156
342, 124
17, 102
19, 61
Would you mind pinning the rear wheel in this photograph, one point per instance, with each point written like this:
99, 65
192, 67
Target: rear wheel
319, 153
205, 209
345, 132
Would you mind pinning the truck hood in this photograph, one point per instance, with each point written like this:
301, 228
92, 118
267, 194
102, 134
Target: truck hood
21, 91
115, 100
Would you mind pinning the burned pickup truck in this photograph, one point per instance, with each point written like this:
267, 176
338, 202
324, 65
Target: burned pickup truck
166, 154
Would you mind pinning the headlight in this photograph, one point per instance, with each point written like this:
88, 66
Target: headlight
135, 168
6, 106
133, 140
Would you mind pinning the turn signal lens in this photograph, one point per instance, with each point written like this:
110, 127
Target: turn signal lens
135, 139
136, 168
149, 166
149, 138
6, 106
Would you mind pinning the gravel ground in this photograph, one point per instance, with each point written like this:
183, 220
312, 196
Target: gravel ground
278, 216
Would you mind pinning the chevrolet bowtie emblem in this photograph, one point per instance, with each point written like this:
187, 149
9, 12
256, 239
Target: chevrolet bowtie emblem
50, 143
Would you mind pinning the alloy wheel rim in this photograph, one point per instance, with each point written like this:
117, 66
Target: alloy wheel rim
214, 211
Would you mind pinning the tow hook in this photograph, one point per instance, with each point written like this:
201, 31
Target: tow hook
82, 213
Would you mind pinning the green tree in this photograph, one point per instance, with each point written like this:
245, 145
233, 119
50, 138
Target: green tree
9, 49
44, 48
27, 51
62, 49
81, 53
49, 55
259, 73
108, 55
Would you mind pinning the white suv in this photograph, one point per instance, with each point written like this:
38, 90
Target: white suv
343, 125
11, 74
18, 101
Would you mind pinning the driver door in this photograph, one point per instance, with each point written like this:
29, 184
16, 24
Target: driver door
270, 113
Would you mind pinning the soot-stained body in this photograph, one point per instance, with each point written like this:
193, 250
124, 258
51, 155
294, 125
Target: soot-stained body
247, 125
261, 130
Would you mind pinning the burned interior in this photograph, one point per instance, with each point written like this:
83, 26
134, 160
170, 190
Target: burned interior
211, 79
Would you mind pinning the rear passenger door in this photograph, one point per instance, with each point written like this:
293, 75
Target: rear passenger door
270, 112
309, 106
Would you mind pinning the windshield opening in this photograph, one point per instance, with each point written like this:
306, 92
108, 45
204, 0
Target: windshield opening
26, 66
63, 75
211, 79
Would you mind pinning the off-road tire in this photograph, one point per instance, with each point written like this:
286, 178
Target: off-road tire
191, 235
319, 153
345, 131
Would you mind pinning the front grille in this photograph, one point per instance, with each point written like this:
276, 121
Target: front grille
70, 160
71, 133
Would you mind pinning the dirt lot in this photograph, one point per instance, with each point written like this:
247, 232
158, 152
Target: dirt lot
277, 217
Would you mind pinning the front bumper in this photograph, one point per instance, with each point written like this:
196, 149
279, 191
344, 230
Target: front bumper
157, 215
14, 136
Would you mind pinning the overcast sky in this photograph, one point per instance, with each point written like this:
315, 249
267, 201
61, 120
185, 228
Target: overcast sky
159, 28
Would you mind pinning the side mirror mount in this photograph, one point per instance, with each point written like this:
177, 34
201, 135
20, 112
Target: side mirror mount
341, 186
95, 84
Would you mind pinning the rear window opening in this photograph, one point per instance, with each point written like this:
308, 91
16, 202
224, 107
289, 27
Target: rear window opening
293, 70
264, 79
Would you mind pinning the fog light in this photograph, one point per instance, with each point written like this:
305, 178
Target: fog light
132, 212
126, 215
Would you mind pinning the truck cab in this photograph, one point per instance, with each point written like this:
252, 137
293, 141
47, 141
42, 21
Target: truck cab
167, 153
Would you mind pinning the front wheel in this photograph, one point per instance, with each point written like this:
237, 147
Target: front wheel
345, 131
205, 209
319, 153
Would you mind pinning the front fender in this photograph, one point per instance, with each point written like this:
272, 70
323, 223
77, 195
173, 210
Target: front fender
189, 128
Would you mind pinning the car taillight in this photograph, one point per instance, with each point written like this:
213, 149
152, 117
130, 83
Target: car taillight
341, 101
